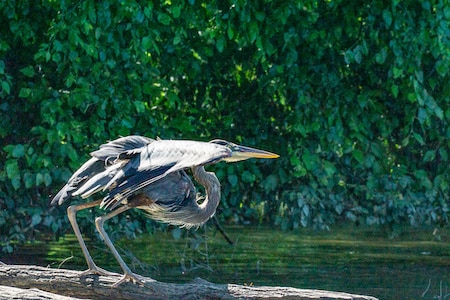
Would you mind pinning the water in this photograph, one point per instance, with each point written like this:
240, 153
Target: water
361, 261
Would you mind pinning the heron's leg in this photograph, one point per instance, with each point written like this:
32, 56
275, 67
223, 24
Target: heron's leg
71, 213
128, 275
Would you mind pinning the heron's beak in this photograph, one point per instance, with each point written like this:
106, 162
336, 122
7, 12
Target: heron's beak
242, 153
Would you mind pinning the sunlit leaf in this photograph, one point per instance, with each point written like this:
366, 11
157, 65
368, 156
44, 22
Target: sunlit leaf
18, 151
12, 169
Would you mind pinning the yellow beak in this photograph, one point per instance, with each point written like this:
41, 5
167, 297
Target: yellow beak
242, 153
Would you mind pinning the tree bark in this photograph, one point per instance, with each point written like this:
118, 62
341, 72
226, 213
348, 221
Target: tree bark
34, 282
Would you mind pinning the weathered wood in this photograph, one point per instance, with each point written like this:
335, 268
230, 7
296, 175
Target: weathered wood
33, 282
8, 292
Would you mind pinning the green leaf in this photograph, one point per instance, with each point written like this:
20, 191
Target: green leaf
358, 155
16, 183
248, 177
18, 151
47, 179
164, 19
176, 11
438, 112
230, 32
147, 42
394, 90
444, 154
351, 216
253, 31
349, 57
397, 72
139, 106
270, 184
442, 67
387, 17
422, 177
12, 169
295, 161
27, 71
422, 115
329, 167
127, 123
6, 87
73, 154
369, 161
39, 179
24, 92
380, 57
29, 180
310, 161
36, 219
358, 55
220, 43
430, 155
233, 180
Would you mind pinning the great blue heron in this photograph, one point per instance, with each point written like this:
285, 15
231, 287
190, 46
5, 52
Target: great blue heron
149, 174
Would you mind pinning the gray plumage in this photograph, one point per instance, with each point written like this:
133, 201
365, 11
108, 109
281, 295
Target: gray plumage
99, 163
139, 172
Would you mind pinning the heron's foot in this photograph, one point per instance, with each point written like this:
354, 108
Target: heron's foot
134, 278
94, 270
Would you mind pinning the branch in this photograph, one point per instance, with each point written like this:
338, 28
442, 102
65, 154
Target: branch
32, 282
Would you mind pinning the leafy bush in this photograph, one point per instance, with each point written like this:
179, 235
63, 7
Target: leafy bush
354, 96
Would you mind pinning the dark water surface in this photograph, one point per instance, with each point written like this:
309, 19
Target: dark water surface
413, 265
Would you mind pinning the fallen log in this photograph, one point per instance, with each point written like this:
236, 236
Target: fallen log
34, 282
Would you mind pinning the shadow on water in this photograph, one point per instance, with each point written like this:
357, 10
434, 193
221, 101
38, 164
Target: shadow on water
414, 265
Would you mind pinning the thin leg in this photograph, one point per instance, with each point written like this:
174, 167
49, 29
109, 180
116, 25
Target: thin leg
128, 275
71, 213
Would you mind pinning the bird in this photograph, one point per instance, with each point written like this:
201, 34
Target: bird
149, 174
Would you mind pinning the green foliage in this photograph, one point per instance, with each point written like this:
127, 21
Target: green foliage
354, 97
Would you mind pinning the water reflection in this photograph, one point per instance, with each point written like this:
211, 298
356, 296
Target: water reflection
348, 260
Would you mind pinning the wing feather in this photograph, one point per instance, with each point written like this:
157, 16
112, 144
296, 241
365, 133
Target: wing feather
129, 164
88, 169
156, 161
96, 166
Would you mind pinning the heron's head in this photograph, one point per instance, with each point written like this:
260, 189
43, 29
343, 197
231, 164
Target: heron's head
239, 152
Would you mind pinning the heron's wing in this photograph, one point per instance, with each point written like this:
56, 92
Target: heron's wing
88, 169
155, 161
96, 166
121, 145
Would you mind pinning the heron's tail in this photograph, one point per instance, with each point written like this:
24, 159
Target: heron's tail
100, 167
88, 169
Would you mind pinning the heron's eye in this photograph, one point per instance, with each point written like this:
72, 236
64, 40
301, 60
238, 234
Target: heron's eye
221, 142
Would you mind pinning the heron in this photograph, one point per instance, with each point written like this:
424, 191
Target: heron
148, 174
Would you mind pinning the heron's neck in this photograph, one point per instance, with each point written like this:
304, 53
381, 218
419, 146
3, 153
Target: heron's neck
212, 188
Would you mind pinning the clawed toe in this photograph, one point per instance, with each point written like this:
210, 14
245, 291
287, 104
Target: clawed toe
97, 271
127, 277
134, 278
